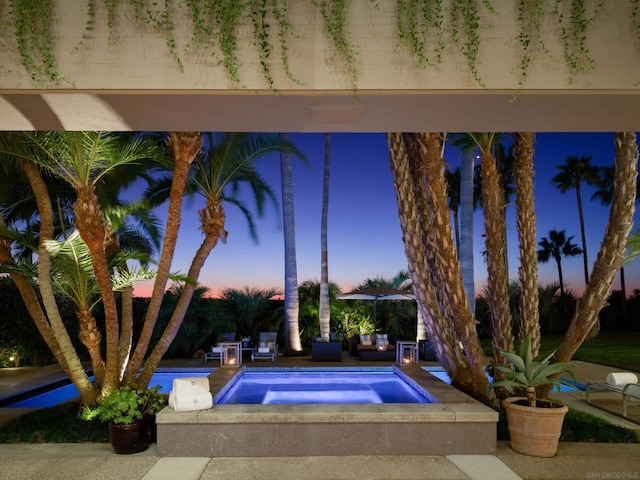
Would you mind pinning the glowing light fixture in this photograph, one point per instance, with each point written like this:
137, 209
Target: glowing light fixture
406, 353
231, 354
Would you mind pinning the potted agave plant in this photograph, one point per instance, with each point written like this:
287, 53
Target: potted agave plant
535, 424
129, 412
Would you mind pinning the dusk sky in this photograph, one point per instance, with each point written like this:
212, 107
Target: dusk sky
364, 231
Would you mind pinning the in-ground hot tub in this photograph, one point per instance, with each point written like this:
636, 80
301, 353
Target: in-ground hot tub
440, 421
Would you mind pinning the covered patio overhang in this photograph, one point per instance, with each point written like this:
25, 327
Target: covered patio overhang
320, 111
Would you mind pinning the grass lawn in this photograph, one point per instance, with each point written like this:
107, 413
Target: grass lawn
617, 350
59, 424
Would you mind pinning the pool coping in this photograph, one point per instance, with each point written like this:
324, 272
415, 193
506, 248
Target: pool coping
448, 405
457, 424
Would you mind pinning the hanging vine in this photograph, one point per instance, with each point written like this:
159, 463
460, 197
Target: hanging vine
574, 25
464, 18
285, 32
258, 12
32, 21
530, 15
159, 18
420, 26
335, 15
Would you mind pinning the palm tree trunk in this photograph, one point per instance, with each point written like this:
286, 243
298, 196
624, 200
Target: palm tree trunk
92, 229
466, 228
495, 242
185, 146
324, 312
560, 279
212, 220
526, 224
433, 262
291, 297
126, 333
32, 304
91, 338
610, 256
583, 236
68, 355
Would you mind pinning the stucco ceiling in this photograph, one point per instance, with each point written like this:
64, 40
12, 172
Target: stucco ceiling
366, 111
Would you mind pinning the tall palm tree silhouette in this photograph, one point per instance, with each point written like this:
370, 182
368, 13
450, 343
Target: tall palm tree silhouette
556, 246
572, 174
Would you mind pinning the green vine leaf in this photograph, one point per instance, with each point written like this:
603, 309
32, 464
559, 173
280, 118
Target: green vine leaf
285, 32
335, 15
32, 20
574, 25
530, 15
464, 18
420, 27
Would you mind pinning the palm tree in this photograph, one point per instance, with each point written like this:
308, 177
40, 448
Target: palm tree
228, 161
418, 170
526, 224
325, 311
493, 202
466, 209
81, 159
604, 193
495, 179
252, 309
556, 246
610, 256
572, 174
292, 343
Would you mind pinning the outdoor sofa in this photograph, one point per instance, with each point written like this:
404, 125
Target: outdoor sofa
368, 348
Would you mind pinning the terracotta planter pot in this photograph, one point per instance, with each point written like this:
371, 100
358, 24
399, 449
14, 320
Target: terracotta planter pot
534, 431
129, 438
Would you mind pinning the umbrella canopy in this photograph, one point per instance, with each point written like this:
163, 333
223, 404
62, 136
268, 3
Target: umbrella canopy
375, 294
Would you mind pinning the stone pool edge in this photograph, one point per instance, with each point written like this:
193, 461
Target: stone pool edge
457, 424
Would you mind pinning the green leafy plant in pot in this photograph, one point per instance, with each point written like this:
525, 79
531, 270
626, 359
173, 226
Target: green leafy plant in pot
129, 412
535, 424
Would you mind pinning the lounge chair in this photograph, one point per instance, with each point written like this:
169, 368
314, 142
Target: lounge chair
629, 391
267, 348
216, 350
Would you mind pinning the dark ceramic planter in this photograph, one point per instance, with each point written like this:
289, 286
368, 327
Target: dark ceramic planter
127, 438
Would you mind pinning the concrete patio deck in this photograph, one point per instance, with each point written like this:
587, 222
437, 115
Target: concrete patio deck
97, 461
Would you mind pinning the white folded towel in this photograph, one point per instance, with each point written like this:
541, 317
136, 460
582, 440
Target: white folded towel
190, 402
190, 385
621, 378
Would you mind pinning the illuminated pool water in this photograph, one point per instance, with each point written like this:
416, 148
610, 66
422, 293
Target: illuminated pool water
376, 391
321, 386
69, 391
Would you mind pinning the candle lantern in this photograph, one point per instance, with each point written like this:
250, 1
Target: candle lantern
231, 354
406, 353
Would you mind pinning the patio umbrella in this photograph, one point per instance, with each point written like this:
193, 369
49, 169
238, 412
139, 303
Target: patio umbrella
375, 294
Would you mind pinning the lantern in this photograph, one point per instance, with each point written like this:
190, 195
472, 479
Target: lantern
406, 353
231, 355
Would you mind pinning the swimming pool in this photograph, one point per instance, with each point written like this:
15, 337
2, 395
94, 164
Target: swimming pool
450, 423
51, 395
344, 385
63, 393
